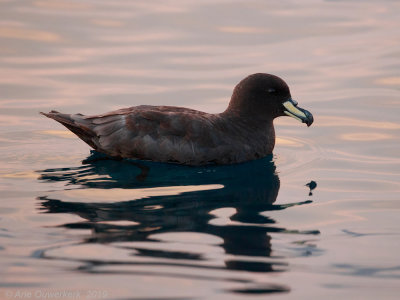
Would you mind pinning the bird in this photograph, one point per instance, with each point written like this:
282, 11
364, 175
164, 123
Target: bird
243, 132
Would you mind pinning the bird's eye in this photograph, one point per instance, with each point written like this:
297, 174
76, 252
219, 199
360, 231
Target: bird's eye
271, 90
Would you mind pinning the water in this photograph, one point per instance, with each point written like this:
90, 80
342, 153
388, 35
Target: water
119, 230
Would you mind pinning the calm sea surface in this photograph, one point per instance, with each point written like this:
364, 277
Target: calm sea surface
141, 230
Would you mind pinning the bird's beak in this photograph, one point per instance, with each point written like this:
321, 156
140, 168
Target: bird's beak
292, 110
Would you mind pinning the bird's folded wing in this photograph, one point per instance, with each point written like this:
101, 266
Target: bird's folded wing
150, 134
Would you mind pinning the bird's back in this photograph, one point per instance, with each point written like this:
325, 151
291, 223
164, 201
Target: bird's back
158, 133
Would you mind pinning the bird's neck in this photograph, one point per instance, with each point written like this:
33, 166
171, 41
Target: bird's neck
259, 133
247, 119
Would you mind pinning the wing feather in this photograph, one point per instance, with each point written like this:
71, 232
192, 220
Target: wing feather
146, 132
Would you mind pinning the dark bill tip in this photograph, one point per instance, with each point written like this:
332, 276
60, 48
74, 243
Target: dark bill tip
309, 118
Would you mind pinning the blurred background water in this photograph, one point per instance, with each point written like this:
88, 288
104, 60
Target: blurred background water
134, 230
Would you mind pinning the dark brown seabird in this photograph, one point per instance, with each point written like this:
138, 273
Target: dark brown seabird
244, 131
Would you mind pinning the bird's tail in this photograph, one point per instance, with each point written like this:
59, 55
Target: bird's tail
76, 124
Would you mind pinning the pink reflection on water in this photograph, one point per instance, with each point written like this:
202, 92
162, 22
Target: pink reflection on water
29, 34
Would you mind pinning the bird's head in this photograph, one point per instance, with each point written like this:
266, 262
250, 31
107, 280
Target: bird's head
266, 96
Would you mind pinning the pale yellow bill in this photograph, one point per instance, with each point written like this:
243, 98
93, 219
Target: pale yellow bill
293, 111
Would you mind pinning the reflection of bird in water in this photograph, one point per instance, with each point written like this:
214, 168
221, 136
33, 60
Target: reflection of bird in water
312, 185
250, 189
243, 132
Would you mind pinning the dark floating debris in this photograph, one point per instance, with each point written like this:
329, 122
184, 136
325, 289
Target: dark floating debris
312, 185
